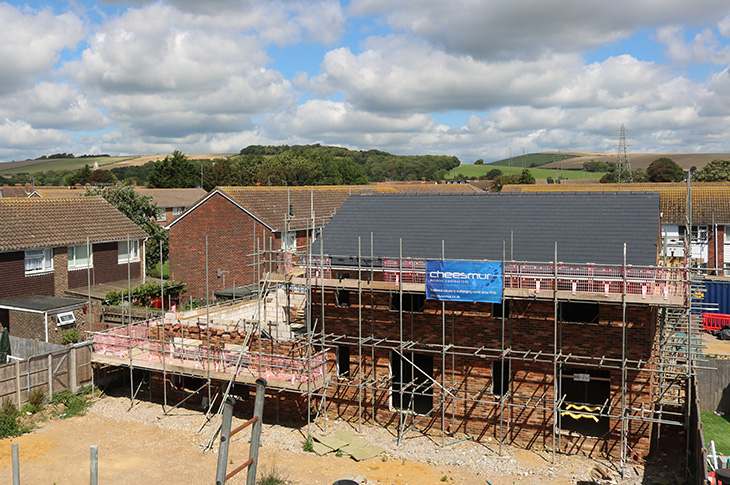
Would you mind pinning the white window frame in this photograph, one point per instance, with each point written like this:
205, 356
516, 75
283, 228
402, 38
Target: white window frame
73, 264
46, 260
161, 214
289, 241
67, 318
176, 211
122, 254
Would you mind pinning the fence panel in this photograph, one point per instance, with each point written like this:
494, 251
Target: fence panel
713, 386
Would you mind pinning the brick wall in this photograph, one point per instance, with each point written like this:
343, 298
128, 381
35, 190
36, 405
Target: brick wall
716, 259
530, 328
60, 271
230, 233
106, 267
14, 281
31, 326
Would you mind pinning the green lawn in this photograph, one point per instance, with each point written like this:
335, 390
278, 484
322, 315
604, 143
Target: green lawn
717, 428
155, 272
473, 171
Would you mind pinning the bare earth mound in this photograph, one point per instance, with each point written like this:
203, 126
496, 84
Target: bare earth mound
143, 446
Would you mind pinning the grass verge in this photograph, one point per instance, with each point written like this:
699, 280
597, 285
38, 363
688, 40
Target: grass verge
717, 428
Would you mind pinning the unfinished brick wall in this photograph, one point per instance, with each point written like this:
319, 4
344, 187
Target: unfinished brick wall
470, 324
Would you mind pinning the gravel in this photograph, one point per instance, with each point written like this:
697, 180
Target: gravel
482, 458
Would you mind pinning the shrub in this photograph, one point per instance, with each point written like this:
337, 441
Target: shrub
9, 419
37, 398
28, 408
70, 336
74, 404
272, 476
308, 445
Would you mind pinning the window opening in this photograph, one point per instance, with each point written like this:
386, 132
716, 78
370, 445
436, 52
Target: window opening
343, 361
415, 382
497, 309
500, 377
412, 302
343, 298
585, 392
161, 215
571, 311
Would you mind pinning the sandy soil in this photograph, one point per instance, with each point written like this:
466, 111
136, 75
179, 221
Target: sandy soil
715, 346
163, 449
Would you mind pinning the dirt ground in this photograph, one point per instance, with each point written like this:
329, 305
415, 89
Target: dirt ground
715, 346
153, 451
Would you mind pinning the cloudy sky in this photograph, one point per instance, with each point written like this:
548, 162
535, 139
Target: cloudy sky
471, 78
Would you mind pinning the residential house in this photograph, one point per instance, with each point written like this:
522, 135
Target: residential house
558, 356
171, 203
51, 248
225, 231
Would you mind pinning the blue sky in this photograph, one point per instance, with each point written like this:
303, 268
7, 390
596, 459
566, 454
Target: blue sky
464, 78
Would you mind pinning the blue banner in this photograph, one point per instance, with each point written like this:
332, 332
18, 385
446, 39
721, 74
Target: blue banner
464, 281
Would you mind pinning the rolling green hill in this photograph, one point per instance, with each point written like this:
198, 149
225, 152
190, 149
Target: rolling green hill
474, 171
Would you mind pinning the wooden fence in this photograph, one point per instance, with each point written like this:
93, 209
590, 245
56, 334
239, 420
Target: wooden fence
52, 372
713, 384
697, 459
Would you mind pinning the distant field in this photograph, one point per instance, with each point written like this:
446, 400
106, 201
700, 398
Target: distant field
642, 160
473, 171
30, 166
536, 159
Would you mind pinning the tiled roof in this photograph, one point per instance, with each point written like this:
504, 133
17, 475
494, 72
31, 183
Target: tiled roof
41, 222
15, 190
435, 188
271, 204
587, 227
172, 197
55, 191
710, 200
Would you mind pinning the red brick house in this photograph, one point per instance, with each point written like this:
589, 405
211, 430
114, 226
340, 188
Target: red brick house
171, 203
44, 252
565, 359
241, 221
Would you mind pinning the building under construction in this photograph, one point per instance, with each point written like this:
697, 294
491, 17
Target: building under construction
560, 330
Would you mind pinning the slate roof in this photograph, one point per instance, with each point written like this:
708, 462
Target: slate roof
710, 200
40, 222
587, 227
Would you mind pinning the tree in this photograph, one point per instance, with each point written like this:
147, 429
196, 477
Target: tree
664, 170
140, 210
174, 172
715, 171
639, 175
101, 177
503, 180
493, 174
526, 177
79, 177
479, 162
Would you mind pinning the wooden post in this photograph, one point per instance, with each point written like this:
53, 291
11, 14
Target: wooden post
50, 375
72, 378
16, 365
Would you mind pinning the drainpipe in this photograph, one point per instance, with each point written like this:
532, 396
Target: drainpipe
45, 319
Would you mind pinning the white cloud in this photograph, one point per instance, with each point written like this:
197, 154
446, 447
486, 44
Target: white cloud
531, 27
704, 47
19, 140
32, 43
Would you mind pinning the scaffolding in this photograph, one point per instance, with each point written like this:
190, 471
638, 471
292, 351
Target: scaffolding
297, 362
675, 350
